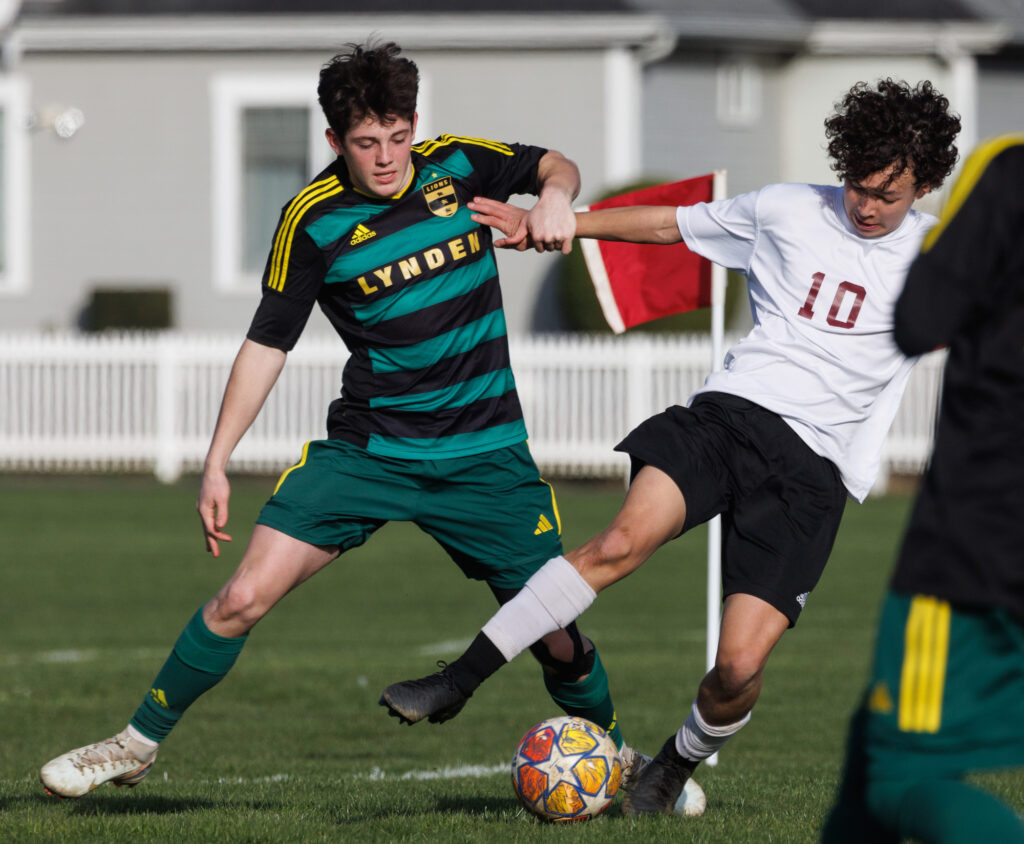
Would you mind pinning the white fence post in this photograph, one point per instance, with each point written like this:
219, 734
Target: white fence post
168, 447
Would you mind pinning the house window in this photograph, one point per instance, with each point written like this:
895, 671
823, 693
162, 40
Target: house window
739, 93
268, 142
275, 167
14, 212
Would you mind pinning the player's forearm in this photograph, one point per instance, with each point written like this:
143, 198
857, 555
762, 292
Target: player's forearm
633, 224
557, 174
253, 375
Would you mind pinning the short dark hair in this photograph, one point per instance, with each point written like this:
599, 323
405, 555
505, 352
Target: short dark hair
368, 80
874, 128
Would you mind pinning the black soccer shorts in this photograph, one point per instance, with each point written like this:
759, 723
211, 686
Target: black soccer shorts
781, 504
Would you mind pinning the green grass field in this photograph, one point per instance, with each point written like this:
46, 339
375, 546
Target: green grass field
100, 575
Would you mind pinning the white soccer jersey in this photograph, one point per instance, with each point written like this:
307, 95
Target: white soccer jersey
821, 353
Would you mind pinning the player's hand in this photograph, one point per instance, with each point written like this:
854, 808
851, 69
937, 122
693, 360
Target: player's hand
510, 220
212, 505
552, 223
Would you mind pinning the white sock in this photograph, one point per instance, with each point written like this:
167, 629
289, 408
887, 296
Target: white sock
135, 735
697, 739
553, 597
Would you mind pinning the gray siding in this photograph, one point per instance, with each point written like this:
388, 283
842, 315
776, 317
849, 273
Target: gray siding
683, 136
1000, 99
127, 200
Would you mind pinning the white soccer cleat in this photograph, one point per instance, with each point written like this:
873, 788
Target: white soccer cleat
633, 764
77, 772
692, 802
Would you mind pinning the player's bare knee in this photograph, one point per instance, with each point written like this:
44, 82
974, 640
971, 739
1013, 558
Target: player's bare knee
566, 655
736, 675
236, 604
559, 645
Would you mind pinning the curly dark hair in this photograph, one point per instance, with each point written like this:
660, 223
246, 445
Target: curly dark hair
368, 80
893, 124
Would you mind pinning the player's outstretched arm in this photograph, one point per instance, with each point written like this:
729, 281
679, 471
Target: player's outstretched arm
253, 375
635, 224
632, 224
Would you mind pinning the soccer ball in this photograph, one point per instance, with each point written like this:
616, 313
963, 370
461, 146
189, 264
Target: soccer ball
566, 769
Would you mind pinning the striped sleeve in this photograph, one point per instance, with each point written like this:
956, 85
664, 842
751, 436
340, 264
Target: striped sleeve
278, 267
503, 169
292, 280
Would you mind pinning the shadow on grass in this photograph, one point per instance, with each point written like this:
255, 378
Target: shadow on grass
115, 805
478, 807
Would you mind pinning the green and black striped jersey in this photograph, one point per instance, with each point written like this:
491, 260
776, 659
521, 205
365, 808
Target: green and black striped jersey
411, 286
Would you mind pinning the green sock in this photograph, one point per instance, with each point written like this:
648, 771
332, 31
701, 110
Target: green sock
199, 661
945, 812
589, 698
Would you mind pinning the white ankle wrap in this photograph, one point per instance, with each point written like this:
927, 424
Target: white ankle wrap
135, 735
697, 739
552, 598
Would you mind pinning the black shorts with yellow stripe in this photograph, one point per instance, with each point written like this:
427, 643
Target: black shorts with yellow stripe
492, 512
946, 694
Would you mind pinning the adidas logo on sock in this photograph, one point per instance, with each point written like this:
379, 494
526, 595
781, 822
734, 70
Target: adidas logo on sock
361, 234
543, 525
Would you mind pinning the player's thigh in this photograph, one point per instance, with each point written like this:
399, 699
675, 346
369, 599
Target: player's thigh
274, 563
339, 494
689, 446
750, 628
494, 515
946, 693
652, 514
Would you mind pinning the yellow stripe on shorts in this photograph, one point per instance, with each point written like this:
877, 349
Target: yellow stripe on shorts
290, 469
923, 679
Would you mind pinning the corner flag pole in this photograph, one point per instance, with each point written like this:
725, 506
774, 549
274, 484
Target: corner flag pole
714, 606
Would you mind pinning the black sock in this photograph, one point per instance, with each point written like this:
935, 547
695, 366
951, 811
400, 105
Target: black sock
480, 660
668, 751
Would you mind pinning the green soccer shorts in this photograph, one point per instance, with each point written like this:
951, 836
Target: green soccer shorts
947, 691
492, 512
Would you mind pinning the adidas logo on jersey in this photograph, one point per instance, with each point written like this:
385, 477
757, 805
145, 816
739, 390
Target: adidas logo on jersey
880, 700
543, 525
361, 235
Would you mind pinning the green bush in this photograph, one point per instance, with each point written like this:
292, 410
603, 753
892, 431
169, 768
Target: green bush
112, 308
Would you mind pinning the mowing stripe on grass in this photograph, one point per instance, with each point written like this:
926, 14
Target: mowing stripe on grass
450, 773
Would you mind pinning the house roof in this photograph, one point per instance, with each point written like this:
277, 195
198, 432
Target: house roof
316, 7
769, 24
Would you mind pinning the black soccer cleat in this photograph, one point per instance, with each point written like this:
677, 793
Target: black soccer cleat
660, 783
435, 697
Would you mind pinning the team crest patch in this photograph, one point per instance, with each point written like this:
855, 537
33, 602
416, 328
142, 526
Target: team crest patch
441, 198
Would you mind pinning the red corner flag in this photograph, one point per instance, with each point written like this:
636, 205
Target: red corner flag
638, 282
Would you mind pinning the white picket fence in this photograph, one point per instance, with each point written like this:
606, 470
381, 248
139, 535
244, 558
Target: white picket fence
149, 401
